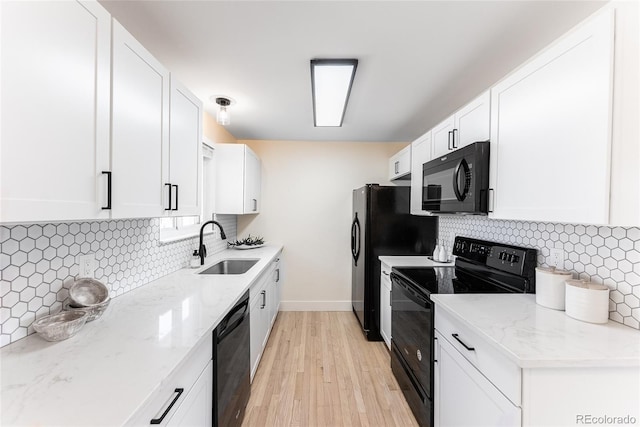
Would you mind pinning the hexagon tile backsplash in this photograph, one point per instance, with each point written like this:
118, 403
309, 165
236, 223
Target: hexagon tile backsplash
608, 255
38, 263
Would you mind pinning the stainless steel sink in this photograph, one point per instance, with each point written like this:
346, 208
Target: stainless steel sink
231, 266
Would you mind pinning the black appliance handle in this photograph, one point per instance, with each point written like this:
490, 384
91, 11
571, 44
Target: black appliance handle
355, 239
176, 208
166, 184
462, 342
454, 138
108, 207
449, 140
410, 293
228, 328
461, 195
166, 411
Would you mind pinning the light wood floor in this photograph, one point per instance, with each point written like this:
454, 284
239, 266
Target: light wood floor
318, 370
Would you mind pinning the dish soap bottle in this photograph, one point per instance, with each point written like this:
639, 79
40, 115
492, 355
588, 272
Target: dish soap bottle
195, 259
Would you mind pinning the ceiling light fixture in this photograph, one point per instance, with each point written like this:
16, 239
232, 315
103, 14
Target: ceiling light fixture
223, 117
331, 81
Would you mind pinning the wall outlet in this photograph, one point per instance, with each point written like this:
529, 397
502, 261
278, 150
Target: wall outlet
556, 258
87, 264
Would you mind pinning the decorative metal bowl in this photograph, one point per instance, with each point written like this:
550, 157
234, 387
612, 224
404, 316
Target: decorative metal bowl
93, 311
88, 292
58, 327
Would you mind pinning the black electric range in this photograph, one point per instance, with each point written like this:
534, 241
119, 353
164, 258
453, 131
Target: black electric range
480, 267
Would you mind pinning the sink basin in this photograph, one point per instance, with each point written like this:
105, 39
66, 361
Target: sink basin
231, 266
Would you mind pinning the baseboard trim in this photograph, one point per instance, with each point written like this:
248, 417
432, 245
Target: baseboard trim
315, 306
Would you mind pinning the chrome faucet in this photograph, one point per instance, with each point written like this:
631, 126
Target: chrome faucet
202, 249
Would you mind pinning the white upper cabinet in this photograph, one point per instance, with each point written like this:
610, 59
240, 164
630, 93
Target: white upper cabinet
140, 128
238, 180
420, 154
551, 131
182, 182
55, 110
400, 164
469, 124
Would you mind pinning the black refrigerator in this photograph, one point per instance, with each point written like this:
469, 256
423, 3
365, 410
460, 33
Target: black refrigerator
382, 225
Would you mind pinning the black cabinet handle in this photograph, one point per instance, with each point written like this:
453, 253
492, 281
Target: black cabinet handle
454, 138
168, 185
176, 208
264, 299
397, 167
166, 411
277, 275
463, 344
108, 173
385, 273
255, 205
490, 202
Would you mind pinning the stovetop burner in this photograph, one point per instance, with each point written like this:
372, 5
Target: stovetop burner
481, 267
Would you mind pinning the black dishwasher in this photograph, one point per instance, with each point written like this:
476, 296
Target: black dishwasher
232, 366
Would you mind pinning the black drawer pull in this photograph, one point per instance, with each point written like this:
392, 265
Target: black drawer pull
166, 411
463, 344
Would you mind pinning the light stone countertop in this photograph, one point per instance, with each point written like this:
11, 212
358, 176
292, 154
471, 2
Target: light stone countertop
103, 374
412, 261
538, 337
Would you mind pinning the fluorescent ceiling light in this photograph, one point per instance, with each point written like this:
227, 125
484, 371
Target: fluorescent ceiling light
331, 81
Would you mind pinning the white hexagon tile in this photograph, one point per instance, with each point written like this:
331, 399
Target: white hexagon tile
607, 255
38, 263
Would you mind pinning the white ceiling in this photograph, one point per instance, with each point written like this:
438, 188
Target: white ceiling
418, 60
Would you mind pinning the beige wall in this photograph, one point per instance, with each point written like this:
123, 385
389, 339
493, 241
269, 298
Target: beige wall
212, 130
306, 206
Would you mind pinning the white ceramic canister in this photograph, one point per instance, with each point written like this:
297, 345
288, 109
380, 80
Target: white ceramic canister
587, 301
550, 291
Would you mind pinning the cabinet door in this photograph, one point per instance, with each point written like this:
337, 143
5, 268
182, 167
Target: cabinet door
442, 137
256, 333
385, 305
185, 164
551, 131
400, 164
252, 182
472, 122
420, 154
55, 110
195, 409
139, 129
458, 385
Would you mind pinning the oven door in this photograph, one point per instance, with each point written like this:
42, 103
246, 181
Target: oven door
412, 330
457, 182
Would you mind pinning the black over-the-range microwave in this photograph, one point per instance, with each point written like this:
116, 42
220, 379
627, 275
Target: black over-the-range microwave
458, 183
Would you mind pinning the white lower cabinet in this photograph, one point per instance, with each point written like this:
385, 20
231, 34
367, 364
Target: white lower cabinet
385, 304
476, 384
185, 397
195, 410
465, 397
264, 302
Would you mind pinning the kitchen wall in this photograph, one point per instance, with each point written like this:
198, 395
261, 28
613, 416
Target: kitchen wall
306, 193
600, 254
39, 262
